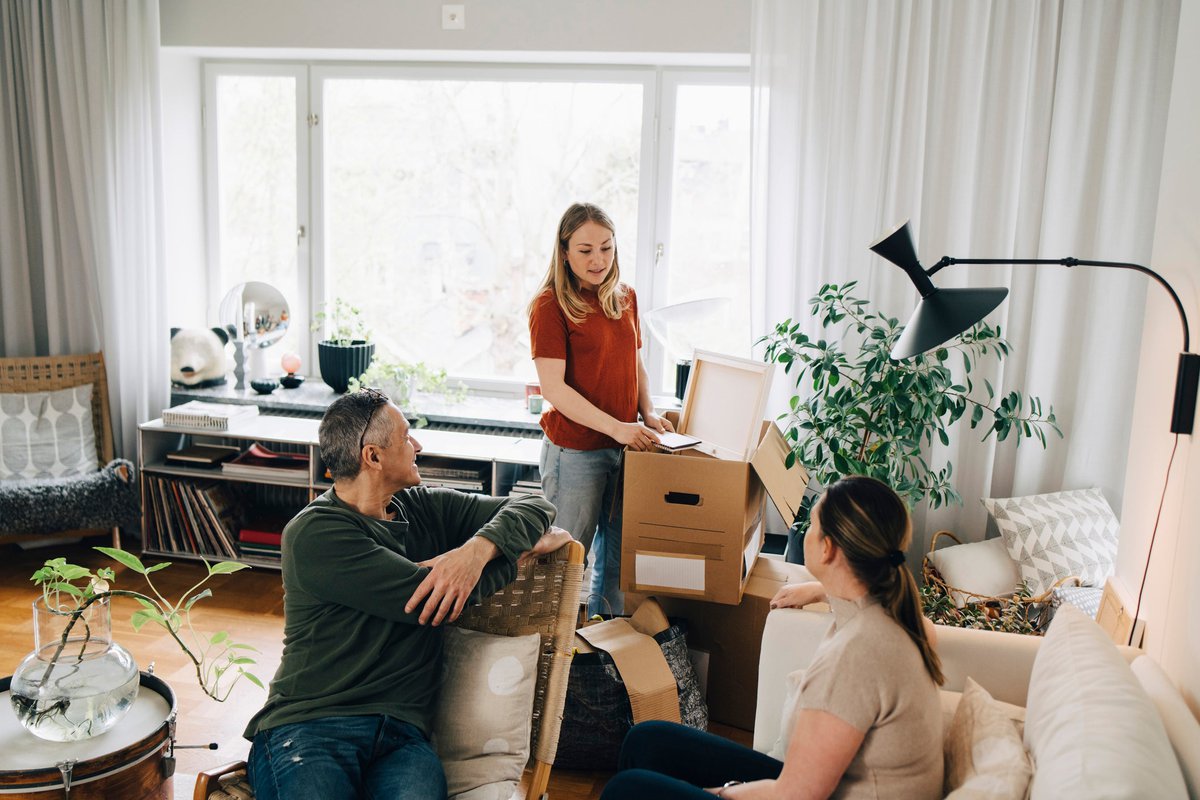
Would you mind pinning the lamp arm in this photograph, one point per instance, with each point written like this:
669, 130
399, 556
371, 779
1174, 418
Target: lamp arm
947, 261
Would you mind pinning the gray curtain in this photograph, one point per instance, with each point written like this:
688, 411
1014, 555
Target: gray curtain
80, 193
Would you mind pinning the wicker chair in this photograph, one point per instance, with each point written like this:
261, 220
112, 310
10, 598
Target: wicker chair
542, 599
51, 373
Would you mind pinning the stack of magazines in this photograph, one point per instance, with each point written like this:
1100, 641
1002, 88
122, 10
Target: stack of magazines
278, 467
209, 416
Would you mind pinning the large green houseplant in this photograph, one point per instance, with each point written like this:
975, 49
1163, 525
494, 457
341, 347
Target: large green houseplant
859, 411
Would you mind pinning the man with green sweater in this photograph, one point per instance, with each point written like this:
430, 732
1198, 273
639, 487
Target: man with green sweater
371, 569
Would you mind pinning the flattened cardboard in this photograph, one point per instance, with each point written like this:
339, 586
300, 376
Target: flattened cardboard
731, 636
653, 693
785, 485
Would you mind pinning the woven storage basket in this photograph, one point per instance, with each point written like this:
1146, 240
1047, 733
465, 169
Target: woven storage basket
1035, 609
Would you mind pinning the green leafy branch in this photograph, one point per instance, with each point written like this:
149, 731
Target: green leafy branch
69, 590
344, 320
859, 411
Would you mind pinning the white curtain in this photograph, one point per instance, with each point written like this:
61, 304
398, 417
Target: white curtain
1002, 129
80, 193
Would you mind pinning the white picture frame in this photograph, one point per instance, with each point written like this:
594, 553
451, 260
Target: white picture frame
724, 404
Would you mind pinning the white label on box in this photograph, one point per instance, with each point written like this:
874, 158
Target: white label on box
669, 572
752, 549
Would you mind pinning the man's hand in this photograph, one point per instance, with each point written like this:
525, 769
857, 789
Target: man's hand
550, 541
451, 578
798, 595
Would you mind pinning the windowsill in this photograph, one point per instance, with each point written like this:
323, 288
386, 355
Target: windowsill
312, 397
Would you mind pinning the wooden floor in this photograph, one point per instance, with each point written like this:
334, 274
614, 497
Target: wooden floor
248, 605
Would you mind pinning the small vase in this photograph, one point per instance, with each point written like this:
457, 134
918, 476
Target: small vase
77, 682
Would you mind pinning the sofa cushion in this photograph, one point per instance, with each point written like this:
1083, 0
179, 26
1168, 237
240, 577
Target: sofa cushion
47, 434
484, 712
1090, 728
1057, 535
985, 759
983, 568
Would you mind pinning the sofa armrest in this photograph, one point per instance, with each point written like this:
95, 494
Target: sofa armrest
790, 638
999, 662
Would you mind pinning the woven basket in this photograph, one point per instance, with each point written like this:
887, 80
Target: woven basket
1035, 609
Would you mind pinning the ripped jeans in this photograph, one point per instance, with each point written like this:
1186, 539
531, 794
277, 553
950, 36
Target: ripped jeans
372, 757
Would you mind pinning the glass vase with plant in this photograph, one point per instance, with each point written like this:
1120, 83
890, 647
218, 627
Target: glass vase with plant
77, 682
401, 379
859, 411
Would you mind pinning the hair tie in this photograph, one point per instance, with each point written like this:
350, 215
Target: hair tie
896, 558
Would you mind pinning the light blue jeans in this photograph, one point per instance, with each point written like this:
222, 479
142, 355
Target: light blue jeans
369, 757
584, 485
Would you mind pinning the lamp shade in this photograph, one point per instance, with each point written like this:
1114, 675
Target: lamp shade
942, 315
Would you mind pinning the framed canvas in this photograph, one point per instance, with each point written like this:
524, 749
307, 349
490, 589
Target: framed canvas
724, 404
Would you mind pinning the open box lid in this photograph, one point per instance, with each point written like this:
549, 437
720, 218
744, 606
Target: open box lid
724, 402
785, 485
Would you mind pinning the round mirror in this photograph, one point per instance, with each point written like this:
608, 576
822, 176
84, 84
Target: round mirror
257, 312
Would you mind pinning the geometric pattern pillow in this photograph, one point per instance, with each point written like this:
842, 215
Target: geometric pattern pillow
1057, 535
1085, 598
484, 713
47, 434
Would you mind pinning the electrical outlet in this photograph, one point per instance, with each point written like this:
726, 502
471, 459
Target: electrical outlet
454, 17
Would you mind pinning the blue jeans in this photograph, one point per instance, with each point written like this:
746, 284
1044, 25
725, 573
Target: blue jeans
371, 757
666, 761
584, 485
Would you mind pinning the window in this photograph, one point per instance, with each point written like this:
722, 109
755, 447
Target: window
435, 192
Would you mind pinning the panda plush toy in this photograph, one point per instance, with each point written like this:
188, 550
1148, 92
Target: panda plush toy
198, 356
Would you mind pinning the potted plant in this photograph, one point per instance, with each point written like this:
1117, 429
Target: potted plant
77, 682
401, 379
859, 411
346, 351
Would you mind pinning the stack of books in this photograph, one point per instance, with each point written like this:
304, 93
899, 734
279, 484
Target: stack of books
202, 455
526, 487
192, 517
278, 467
462, 479
207, 416
261, 541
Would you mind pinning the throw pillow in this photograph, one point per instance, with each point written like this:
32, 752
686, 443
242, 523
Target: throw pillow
47, 434
1090, 728
950, 700
985, 759
983, 568
1057, 535
484, 714
1085, 598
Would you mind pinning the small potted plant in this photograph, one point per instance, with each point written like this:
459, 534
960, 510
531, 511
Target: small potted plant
401, 379
346, 351
78, 682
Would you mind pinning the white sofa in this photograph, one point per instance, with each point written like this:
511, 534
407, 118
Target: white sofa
1093, 709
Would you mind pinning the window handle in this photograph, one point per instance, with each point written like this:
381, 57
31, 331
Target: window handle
300, 232
658, 254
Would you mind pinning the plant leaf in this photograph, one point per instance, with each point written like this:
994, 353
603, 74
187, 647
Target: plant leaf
127, 559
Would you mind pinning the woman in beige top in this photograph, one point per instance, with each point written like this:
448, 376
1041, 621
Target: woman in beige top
868, 720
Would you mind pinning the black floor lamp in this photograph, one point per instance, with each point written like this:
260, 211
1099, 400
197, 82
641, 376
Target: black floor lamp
943, 313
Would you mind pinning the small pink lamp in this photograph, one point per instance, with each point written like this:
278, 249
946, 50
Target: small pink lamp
291, 365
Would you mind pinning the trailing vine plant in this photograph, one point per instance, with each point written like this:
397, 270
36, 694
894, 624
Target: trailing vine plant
858, 411
69, 590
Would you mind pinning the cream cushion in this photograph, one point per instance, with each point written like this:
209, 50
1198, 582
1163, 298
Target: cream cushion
484, 713
1090, 728
47, 434
985, 759
983, 568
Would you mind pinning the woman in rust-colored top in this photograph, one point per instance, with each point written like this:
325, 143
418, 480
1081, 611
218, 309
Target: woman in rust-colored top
585, 338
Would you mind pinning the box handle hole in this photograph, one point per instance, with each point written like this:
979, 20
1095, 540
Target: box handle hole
683, 499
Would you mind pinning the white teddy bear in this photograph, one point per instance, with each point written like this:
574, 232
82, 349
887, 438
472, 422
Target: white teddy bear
198, 356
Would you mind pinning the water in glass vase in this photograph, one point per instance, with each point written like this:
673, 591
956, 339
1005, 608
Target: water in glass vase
77, 682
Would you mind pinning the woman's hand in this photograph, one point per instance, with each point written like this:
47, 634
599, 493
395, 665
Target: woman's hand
634, 435
656, 423
798, 595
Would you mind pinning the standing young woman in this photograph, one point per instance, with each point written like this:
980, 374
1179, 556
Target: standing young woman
868, 720
585, 337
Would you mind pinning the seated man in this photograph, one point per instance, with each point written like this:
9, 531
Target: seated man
368, 576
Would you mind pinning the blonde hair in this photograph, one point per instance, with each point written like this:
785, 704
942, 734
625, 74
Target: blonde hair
612, 294
870, 523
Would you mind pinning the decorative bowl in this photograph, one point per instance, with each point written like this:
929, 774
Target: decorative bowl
264, 385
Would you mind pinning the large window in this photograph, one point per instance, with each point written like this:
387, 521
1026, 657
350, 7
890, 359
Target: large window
429, 198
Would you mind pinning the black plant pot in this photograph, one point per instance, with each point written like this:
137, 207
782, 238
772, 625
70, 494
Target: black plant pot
795, 545
341, 362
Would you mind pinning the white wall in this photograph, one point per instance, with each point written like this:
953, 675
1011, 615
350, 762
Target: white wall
607, 26
1171, 602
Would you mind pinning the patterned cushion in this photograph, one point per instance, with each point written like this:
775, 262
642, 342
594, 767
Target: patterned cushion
47, 434
985, 757
1085, 598
1053, 536
485, 712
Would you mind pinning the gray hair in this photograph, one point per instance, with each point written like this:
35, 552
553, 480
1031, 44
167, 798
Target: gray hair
349, 420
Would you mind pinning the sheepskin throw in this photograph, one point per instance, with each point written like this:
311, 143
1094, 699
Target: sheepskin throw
49, 505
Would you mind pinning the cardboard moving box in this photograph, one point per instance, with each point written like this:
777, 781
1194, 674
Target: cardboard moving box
693, 523
731, 639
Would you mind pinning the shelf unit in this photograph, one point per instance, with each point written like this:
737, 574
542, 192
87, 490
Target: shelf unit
488, 463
